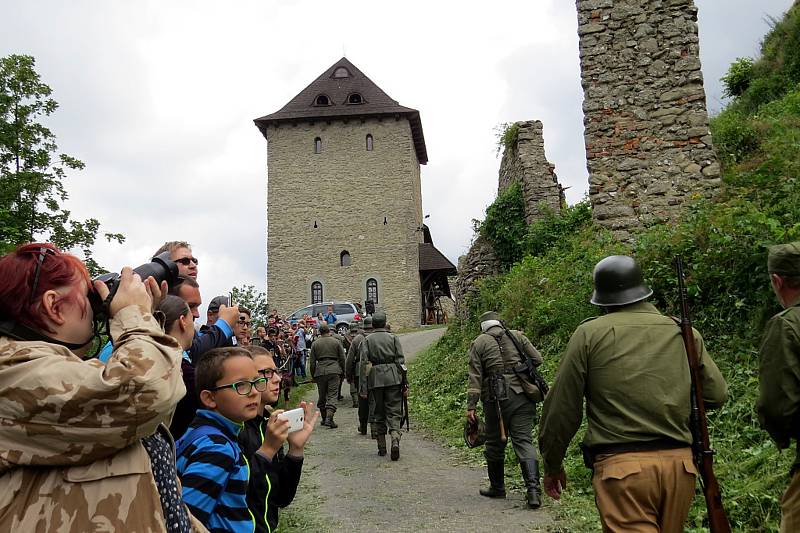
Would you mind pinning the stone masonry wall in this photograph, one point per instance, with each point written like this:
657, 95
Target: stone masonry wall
525, 162
347, 191
646, 126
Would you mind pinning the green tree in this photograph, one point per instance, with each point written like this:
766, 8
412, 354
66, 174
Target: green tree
254, 300
31, 170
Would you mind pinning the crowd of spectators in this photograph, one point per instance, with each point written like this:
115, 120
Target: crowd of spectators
172, 427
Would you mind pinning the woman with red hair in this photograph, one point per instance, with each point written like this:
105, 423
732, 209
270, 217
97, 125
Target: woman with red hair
82, 444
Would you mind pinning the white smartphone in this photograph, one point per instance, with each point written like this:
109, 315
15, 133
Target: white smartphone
295, 418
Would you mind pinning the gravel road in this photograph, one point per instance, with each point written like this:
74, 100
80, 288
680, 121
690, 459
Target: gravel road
347, 487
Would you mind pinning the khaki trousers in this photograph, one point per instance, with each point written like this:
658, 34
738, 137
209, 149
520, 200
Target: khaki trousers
790, 506
644, 491
328, 389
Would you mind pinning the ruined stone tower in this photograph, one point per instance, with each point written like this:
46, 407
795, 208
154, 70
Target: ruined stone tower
344, 205
646, 126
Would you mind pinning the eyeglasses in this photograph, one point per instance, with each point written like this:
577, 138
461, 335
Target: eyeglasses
43, 252
268, 372
244, 322
243, 388
186, 260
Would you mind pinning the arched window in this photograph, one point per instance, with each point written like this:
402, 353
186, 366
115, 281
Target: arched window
322, 99
344, 259
369, 142
316, 292
317, 145
372, 290
355, 98
341, 72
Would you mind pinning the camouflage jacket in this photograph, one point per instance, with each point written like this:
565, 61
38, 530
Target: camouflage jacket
71, 457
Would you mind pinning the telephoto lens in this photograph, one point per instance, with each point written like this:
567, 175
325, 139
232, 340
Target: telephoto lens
161, 267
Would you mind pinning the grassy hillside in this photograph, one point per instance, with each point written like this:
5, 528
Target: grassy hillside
546, 290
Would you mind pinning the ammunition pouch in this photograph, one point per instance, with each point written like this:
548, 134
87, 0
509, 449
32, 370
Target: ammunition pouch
498, 388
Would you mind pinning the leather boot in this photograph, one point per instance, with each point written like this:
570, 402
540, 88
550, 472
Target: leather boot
497, 482
395, 448
530, 473
331, 424
381, 444
362, 429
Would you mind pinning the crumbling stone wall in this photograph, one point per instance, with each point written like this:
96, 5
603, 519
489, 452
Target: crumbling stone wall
479, 262
646, 126
525, 162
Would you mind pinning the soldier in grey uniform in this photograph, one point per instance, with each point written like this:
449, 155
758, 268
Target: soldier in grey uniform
383, 365
353, 373
348, 370
492, 356
327, 366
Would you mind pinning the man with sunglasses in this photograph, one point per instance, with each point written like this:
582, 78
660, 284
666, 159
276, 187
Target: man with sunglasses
214, 473
181, 253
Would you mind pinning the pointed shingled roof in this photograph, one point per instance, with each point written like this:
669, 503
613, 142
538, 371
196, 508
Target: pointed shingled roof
338, 90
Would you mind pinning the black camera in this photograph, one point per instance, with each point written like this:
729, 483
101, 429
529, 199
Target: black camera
161, 267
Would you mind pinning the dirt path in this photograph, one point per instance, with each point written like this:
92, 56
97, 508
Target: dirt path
348, 487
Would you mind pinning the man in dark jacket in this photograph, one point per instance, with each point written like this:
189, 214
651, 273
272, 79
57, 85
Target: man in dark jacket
274, 475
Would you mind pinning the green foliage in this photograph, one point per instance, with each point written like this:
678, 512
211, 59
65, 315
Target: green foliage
255, 301
507, 135
504, 226
738, 77
545, 232
31, 173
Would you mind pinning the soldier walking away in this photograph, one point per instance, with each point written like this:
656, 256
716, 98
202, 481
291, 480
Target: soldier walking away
779, 370
631, 367
493, 356
383, 364
348, 372
327, 366
353, 372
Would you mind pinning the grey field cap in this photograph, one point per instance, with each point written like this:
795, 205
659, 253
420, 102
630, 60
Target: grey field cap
618, 281
784, 259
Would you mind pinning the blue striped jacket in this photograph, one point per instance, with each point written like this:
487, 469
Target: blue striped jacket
214, 473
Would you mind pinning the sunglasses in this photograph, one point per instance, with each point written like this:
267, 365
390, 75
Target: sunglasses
186, 260
43, 253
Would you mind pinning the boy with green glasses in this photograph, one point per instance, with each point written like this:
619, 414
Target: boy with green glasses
213, 472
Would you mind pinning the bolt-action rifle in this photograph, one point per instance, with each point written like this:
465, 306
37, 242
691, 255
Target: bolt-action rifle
497, 393
701, 446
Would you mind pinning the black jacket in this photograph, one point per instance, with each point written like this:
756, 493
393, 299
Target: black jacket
273, 484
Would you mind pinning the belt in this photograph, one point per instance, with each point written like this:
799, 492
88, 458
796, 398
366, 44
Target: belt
648, 446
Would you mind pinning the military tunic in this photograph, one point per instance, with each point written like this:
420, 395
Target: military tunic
631, 367
494, 353
380, 357
779, 398
352, 369
326, 362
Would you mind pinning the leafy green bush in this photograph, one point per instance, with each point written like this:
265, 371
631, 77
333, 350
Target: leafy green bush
507, 135
738, 77
504, 226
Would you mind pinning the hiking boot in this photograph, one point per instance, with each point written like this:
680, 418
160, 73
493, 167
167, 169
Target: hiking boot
331, 424
497, 483
530, 473
381, 444
395, 448
324, 422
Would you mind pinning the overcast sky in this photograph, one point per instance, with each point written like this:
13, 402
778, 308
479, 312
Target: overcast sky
158, 98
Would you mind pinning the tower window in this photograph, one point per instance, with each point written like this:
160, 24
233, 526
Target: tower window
316, 292
344, 259
369, 142
317, 145
341, 72
322, 100
372, 290
355, 98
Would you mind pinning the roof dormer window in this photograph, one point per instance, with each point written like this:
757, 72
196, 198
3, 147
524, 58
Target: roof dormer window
341, 72
322, 100
355, 98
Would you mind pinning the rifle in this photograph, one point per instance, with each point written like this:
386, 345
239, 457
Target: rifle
530, 367
404, 392
701, 446
497, 389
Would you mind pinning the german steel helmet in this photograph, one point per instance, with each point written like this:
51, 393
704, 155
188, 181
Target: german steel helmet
368, 322
474, 433
618, 281
379, 318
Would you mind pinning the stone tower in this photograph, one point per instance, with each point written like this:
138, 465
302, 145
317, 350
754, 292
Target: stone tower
344, 201
646, 126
